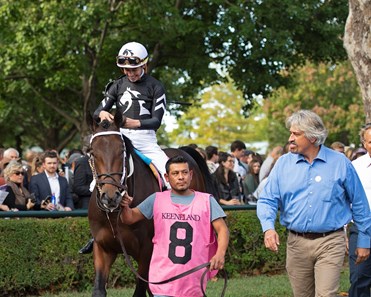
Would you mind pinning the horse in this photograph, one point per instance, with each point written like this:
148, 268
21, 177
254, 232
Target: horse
118, 169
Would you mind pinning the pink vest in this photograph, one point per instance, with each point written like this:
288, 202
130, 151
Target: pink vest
184, 238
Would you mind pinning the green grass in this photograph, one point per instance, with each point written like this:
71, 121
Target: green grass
254, 286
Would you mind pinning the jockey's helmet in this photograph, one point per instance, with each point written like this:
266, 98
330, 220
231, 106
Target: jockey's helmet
132, 55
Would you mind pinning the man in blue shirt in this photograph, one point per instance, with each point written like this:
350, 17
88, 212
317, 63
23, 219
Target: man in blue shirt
317, 191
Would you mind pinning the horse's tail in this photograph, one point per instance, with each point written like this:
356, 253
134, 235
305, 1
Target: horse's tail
208, 179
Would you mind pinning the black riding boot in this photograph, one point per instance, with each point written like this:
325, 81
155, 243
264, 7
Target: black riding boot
88, 247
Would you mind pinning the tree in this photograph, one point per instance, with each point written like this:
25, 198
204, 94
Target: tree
256, 40
357, 41
217, 120
57, 58
330, 90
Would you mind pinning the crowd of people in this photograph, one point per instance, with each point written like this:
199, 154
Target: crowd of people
44, 181
38, 176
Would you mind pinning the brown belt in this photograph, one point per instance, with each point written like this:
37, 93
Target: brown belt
310, 235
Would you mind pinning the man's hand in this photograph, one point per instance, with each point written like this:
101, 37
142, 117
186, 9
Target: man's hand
105, 115
362, 254
49, 206
217, 262
271, 240
129, 215
126, 201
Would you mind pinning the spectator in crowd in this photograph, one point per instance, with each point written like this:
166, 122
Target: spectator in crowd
227, 181
349, 152
18, 197
69, 173
37, 165
246, 158
202, 152
3, 163
141, 99
338, 146
358, 153
251, 180
29, 156
272, 157
70, 167
83, 177
11, 153
237, 151
317, 192
360, 277
206, 247
262, 183
212, 156
49, 183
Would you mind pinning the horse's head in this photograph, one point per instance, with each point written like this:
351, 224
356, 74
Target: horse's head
107, 160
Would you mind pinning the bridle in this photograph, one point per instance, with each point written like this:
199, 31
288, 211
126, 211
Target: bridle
101, 179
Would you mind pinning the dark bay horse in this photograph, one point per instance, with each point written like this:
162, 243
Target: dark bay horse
116, 169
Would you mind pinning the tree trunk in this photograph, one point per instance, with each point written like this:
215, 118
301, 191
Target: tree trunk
357, 42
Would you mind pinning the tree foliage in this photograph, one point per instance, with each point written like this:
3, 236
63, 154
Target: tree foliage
218, 120
329, 90
56, 56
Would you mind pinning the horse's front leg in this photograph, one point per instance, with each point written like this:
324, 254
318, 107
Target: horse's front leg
102, 265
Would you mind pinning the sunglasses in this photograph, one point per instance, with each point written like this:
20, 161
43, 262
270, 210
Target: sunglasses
19, 173
133, 61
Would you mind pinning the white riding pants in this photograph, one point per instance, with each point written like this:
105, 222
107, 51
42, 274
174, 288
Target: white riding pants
145, 141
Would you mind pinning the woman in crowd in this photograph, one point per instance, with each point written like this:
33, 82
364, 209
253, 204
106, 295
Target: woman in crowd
251, 180
227, 181
18, 198
37, 165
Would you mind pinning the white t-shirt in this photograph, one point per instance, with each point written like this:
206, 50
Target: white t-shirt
363, 167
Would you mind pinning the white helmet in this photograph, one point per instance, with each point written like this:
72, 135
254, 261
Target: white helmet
132, 55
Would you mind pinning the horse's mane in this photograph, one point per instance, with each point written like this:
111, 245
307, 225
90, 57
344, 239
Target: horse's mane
209, 183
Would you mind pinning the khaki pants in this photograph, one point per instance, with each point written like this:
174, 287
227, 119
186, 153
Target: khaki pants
314, 266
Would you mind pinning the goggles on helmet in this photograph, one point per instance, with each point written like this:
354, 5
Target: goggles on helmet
129, 61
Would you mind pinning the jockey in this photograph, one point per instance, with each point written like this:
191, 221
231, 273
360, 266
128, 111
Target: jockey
141, 99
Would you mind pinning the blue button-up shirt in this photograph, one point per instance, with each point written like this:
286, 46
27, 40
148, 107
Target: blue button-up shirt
318, 197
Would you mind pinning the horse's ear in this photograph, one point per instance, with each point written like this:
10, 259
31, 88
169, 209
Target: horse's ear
119, 119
